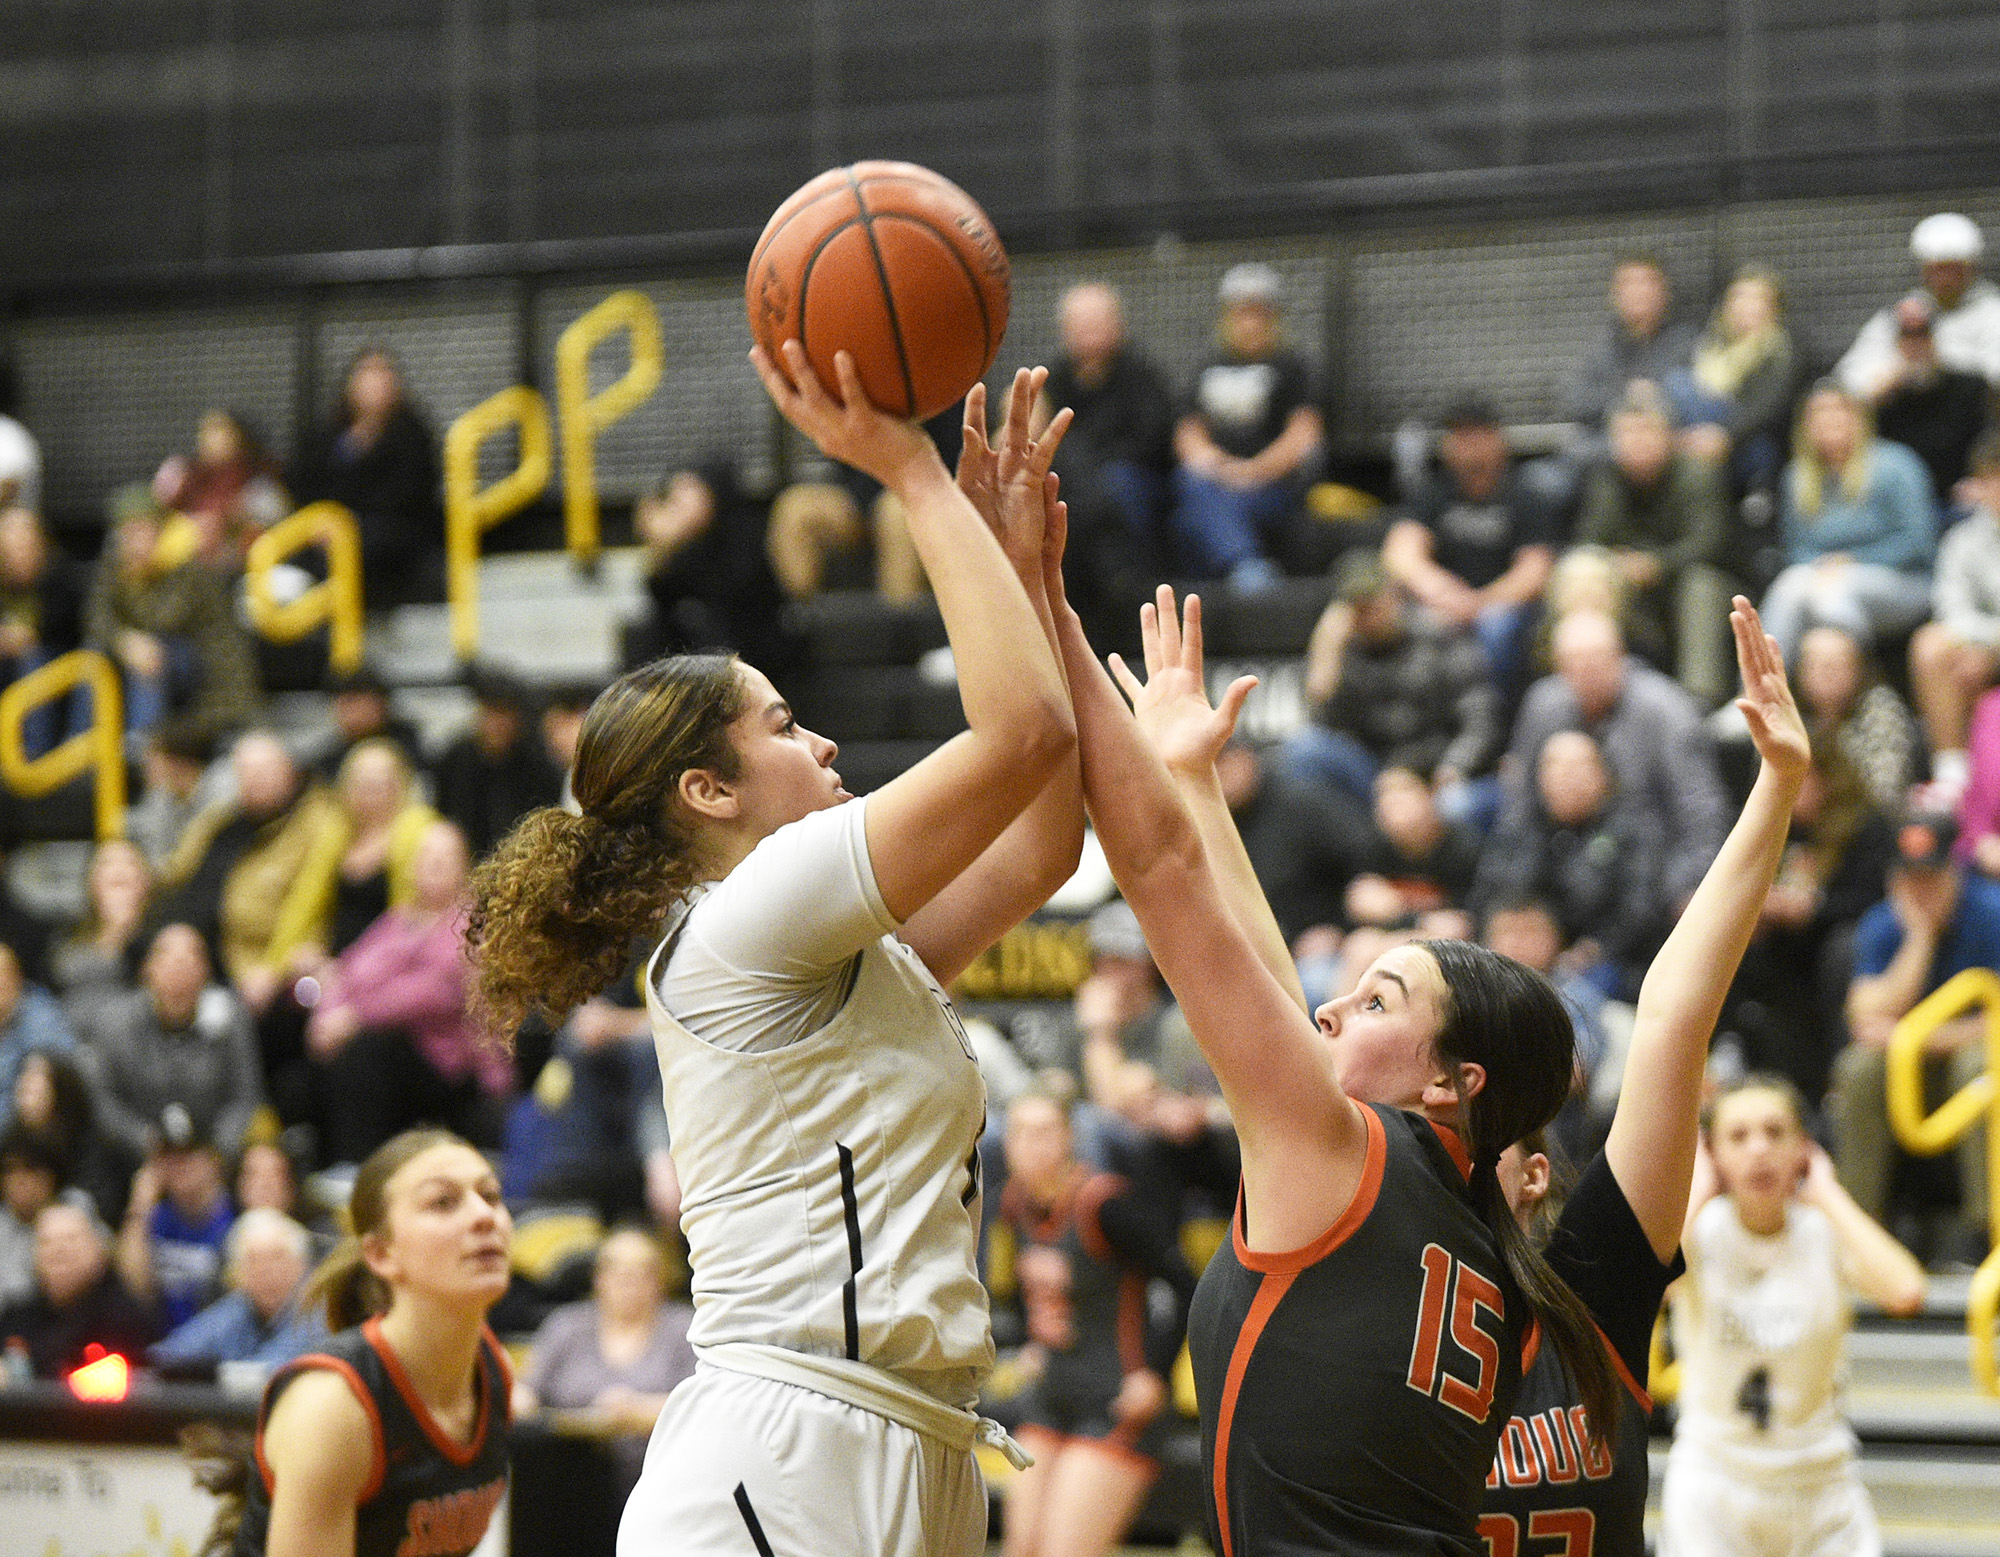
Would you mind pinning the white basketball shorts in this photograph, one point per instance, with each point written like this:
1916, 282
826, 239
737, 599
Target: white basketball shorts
1709, 1510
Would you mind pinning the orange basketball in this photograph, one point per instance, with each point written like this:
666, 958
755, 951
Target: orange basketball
893, 264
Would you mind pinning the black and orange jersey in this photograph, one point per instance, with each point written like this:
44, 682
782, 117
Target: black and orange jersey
1352, 1391
1550, 1494
428, 1495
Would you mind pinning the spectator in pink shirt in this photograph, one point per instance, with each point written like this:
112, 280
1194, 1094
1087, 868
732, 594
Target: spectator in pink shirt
1979, 811
392, 1031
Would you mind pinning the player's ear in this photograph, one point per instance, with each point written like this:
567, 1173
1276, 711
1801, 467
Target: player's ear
705, 793
1450, 1087
1534, 1178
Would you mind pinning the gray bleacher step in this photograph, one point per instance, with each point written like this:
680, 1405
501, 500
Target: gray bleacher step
1944, 1300
1958, 1415
538, 616
1909, 1359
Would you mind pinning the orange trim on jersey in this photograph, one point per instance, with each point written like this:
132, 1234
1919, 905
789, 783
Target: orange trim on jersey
1270, 1291
380, 1464
1291, 1261
1087, 1201
1132, 1321
1453, 1143
457, 1453
1531, 1343
1624, 1373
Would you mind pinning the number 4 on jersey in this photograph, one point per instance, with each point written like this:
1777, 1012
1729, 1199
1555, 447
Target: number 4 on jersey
1450, 1285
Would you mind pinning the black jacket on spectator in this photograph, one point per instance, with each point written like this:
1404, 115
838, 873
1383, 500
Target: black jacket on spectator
486, 796
53, 606
1445, 876
56, 1337
1601, 877
1422, 701
1129, 416
718, 591
1305, 843
1941, 420
394, 488
1476, 539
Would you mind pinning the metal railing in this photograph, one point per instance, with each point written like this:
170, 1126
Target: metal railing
1974, 1104
581, 416
471, 511
335, 604
100, 748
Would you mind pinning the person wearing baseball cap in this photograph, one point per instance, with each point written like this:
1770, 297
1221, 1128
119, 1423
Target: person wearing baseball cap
1247, 440
1938, 920
1947, 247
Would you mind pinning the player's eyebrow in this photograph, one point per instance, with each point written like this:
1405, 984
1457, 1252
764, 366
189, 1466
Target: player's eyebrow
780, 709
1396, 978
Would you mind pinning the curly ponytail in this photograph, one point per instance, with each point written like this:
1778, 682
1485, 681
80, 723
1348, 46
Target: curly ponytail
1510, 1021
559, 902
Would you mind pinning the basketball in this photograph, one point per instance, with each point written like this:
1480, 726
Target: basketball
893, 264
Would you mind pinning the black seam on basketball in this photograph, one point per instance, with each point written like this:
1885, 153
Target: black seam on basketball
979, 297
751, 1522
805, 278
888, 296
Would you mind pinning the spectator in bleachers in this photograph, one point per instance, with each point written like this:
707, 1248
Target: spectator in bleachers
1661, 759
359, 703
97, 957
1476, 544
393, 1030
563, 708
1663, 516
1789, 994
42, 591
359, 865
1841, 693
1859, 527
1938, 920
176, 1041
1529, 929
267, 1257
1117, 458
1416, 862
230, 877
1593, 854
165, 620
497, 771
708, 571
53, 1101
177, 1220
1735, 398
266, 1179
1304, 840
229, 488
815, 522
20, 465
31, 1177
379, 457
1935, 411
1246, 441
618, 1354
1947, 248
31, 1021
78, 1300
174, 760
1955, 656
1641, 339
1393, 685
1979, 810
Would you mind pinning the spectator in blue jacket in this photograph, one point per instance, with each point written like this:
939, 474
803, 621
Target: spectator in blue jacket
30, 1019
1859, 524
259, 1318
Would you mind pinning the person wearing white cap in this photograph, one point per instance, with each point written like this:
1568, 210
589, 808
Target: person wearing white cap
1246, 439
1966, 327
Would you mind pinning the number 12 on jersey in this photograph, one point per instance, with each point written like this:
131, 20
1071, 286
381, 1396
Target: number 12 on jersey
1450, 1285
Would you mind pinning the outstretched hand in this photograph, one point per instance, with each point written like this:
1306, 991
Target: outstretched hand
1009, 483
1766, 704
850, 429
1175, 716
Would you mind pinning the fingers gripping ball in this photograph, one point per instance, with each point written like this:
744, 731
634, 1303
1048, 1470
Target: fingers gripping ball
890, 262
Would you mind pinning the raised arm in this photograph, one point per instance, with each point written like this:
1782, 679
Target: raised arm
930, 824
1303, 1141
1651, 1148
1876, 1266
1014, 492
1186, 733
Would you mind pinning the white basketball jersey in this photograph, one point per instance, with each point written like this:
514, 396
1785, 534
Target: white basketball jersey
830, 1187
1760, 1325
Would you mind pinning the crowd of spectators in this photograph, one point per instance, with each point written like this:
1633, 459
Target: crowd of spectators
1516, 728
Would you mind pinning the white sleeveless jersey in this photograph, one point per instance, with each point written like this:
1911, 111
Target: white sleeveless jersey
1760, 1325
830, 1187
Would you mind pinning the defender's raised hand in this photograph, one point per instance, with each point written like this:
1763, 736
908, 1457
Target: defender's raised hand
1766, 704
1172, 705
1007, 482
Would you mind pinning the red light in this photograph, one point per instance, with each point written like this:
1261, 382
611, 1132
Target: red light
106, 1376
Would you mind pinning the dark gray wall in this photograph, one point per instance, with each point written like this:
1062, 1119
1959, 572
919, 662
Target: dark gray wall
147, 133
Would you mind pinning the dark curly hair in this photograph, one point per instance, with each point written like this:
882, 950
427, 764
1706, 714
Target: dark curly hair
559, 902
